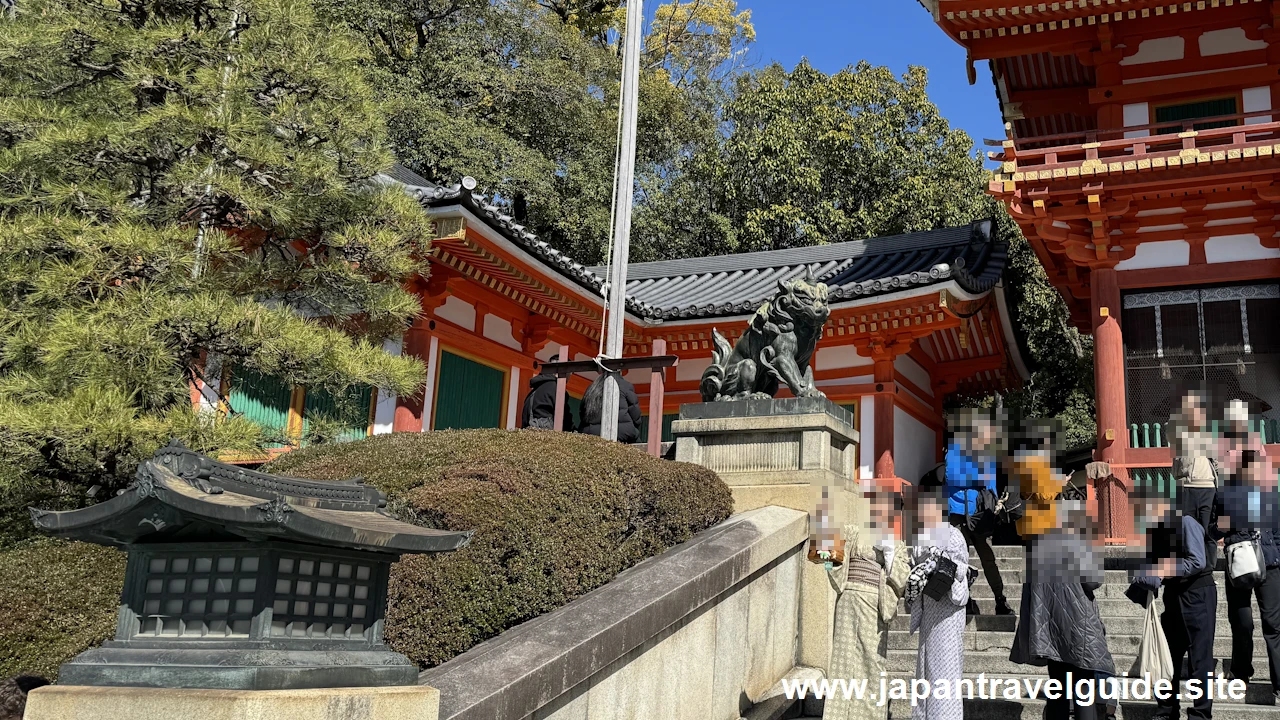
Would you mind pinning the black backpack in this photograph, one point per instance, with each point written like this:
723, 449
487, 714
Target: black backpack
986, 513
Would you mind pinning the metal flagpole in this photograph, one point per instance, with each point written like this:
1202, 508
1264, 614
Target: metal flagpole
623, 192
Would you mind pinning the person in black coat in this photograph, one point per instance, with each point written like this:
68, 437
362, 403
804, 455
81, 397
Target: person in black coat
540, 405
628, 410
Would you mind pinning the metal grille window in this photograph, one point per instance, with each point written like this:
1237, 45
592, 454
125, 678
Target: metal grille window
199, 596
1223, 338
322, 599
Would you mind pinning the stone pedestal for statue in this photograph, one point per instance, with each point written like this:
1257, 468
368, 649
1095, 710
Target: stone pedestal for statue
780, 452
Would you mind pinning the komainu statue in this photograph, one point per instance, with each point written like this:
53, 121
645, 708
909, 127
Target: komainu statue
776, 347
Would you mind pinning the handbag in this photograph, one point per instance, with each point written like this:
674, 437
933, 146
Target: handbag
835, 550
985, 516
1154, 660
1246, 565
941, 579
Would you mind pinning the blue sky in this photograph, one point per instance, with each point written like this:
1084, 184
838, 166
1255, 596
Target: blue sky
835, 33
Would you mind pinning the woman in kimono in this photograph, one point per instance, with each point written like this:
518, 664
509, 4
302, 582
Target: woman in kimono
940, 622
867, 586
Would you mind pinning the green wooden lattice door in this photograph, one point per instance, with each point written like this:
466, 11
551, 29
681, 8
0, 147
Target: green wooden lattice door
468, 394
262, 399
350, 409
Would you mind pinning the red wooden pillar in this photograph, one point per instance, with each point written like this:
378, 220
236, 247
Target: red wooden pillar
1108, 369
883, 409
417, 343
656, 391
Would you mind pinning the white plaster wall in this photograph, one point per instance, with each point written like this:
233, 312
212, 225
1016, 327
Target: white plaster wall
513, 399
913, 372
914, 446
384, 412
842, 356
1170, 253
499, 330
212, 383
1157, 50
1227, 41
1237, 248
458, 312
867, 438
691, 368
1137, 114
849, 380
1257, 99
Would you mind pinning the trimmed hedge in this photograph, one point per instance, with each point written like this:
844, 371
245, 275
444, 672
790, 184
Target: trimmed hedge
555, 515
57, 599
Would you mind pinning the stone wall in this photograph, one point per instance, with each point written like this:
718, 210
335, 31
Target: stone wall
701, 632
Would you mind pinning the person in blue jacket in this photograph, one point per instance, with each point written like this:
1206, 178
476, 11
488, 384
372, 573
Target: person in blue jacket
970, 467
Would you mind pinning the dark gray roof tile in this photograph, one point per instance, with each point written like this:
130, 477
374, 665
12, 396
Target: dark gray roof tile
726, 285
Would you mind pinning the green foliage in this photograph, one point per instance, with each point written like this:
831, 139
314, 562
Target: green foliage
522, 95
59, 599
808, 158
555, 515
182, 179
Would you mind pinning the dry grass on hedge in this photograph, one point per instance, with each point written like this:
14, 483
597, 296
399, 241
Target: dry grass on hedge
555, 515
57, 599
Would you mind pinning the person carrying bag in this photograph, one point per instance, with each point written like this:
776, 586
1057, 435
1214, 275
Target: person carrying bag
1248, 523
1154, 660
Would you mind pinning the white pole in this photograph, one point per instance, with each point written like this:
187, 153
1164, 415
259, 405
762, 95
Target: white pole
623, 192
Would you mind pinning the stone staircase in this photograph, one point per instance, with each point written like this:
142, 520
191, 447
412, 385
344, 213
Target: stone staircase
988, 639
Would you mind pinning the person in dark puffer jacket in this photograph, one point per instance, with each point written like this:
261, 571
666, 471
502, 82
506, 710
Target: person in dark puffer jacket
540, 405
1181, 558
1244, 507
628, 410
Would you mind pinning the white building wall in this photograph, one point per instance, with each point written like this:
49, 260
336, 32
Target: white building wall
458, 312
914, 446
499, 330
867, 438
912, 371
384, 413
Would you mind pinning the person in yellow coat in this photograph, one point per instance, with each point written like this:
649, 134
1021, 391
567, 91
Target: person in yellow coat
868, 586
1039, 482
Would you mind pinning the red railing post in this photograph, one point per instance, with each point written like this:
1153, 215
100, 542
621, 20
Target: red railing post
657, 385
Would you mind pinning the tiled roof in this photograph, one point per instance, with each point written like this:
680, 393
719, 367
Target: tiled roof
433, 195
726, 285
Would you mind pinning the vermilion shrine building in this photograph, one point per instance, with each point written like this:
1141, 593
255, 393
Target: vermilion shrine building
913, 319
1142, 164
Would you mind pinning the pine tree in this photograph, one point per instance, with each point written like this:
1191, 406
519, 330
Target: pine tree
183, 180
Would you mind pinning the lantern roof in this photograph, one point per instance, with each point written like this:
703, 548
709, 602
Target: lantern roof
183, 496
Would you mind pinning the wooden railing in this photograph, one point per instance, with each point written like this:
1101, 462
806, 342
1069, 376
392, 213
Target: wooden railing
1024, 144
1234, 142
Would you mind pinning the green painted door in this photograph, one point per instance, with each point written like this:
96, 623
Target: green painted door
468, 394
262, 399
350, 410
667, 419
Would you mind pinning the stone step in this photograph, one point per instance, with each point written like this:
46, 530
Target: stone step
997, 663
1107, 606
1118, 644
1128, 625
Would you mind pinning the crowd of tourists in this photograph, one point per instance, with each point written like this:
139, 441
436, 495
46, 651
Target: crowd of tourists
1223, 503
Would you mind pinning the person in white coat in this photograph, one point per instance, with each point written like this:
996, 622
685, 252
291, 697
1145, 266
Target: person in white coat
940, 622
